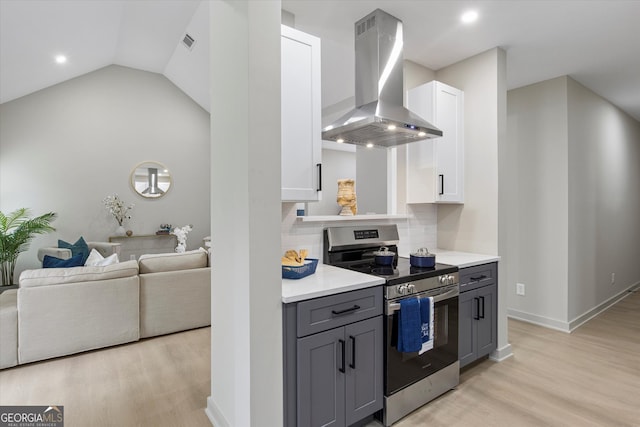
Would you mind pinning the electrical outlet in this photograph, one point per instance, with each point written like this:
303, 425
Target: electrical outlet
613, 278
520, 289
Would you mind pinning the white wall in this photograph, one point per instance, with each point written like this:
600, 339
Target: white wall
336, 164
575, 203
246, 288
67, 147
473, 227
604, 200
415, 75
539, 248
371, 180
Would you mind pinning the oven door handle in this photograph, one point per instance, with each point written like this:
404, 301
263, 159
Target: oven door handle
392, 307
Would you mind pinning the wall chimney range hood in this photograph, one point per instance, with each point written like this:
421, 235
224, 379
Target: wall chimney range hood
379, 117
153, 189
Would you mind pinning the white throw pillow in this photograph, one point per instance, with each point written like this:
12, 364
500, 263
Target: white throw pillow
97, 260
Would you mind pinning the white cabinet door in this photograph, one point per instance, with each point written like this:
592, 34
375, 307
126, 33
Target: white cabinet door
435, 168
301, 116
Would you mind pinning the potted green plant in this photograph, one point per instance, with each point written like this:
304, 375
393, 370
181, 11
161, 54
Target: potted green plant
16, 232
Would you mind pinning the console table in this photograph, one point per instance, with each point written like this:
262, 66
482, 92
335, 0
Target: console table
134, 246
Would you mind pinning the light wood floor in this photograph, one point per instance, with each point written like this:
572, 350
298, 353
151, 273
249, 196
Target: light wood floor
588, 378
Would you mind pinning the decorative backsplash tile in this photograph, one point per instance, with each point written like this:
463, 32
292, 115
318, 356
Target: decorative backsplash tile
418, 230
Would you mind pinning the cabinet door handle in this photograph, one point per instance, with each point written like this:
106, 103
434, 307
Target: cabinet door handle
319, 166
346, 310
352, 365
342, 345
441, 192
475, 279
477, 315
482, 315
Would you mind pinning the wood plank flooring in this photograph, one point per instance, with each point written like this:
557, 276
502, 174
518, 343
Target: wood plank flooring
588, 378
162, 381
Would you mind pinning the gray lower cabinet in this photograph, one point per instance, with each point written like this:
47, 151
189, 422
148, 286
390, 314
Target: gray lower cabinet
477, 312
334, 377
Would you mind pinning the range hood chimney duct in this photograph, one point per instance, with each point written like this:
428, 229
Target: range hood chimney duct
379, 117
153, 189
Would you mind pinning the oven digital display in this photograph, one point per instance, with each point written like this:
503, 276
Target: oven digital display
365, 234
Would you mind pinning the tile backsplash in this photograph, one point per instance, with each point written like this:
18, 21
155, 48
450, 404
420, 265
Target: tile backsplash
418, 230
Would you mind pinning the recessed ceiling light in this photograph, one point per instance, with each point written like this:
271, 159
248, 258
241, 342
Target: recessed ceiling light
339, 140
61, 59
369, 145
422, 134
391, 127
469, 16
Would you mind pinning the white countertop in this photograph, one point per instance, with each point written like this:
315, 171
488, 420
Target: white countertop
327, 280
462, 259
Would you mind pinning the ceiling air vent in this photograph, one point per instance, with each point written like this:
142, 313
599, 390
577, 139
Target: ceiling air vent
188, 41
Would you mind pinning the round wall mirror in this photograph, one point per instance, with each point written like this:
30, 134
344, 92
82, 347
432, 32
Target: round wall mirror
150, 180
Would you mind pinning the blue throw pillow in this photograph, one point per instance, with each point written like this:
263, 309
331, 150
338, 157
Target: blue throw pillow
53, 262
78, 248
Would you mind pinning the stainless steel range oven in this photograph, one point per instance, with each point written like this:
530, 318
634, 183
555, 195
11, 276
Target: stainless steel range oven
410, 379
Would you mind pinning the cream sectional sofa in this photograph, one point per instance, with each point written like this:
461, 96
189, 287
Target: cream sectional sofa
175, 292
62, 311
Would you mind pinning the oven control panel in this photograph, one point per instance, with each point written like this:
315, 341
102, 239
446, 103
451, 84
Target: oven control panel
447, 279
416, 286
406, 289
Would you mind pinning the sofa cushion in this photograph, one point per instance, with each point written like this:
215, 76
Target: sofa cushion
53, 276
96, 259
156, 263
79, 247
53, 262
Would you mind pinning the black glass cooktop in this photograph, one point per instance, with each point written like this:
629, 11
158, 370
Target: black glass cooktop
401, 273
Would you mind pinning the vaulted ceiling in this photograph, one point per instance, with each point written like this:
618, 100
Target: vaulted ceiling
142, 34
595, 42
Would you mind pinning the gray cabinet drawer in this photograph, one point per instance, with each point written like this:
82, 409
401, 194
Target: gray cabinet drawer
478, 276
321, 314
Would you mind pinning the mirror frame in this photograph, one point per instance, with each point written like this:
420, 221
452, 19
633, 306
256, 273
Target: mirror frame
138, 179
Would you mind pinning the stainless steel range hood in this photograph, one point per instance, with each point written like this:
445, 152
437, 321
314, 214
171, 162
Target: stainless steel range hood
153, 189
379, 117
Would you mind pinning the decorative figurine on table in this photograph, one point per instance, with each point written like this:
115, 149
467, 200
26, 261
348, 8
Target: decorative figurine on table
164, 229
347, 196
181, 234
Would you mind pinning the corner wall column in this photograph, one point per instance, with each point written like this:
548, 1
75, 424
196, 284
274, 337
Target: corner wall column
246, 317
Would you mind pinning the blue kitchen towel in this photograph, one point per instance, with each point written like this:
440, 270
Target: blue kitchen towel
409, 326
426, 320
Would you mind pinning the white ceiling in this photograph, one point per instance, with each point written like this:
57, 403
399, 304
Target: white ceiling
142, 34
595, 42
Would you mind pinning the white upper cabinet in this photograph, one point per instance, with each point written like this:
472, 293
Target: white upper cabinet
435, 167
301, 117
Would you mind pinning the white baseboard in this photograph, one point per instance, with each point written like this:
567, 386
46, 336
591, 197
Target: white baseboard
590, 314
571, 326
500, 354
214, 414
546, 322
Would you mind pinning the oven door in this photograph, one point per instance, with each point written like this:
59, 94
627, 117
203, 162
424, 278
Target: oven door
404, 369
